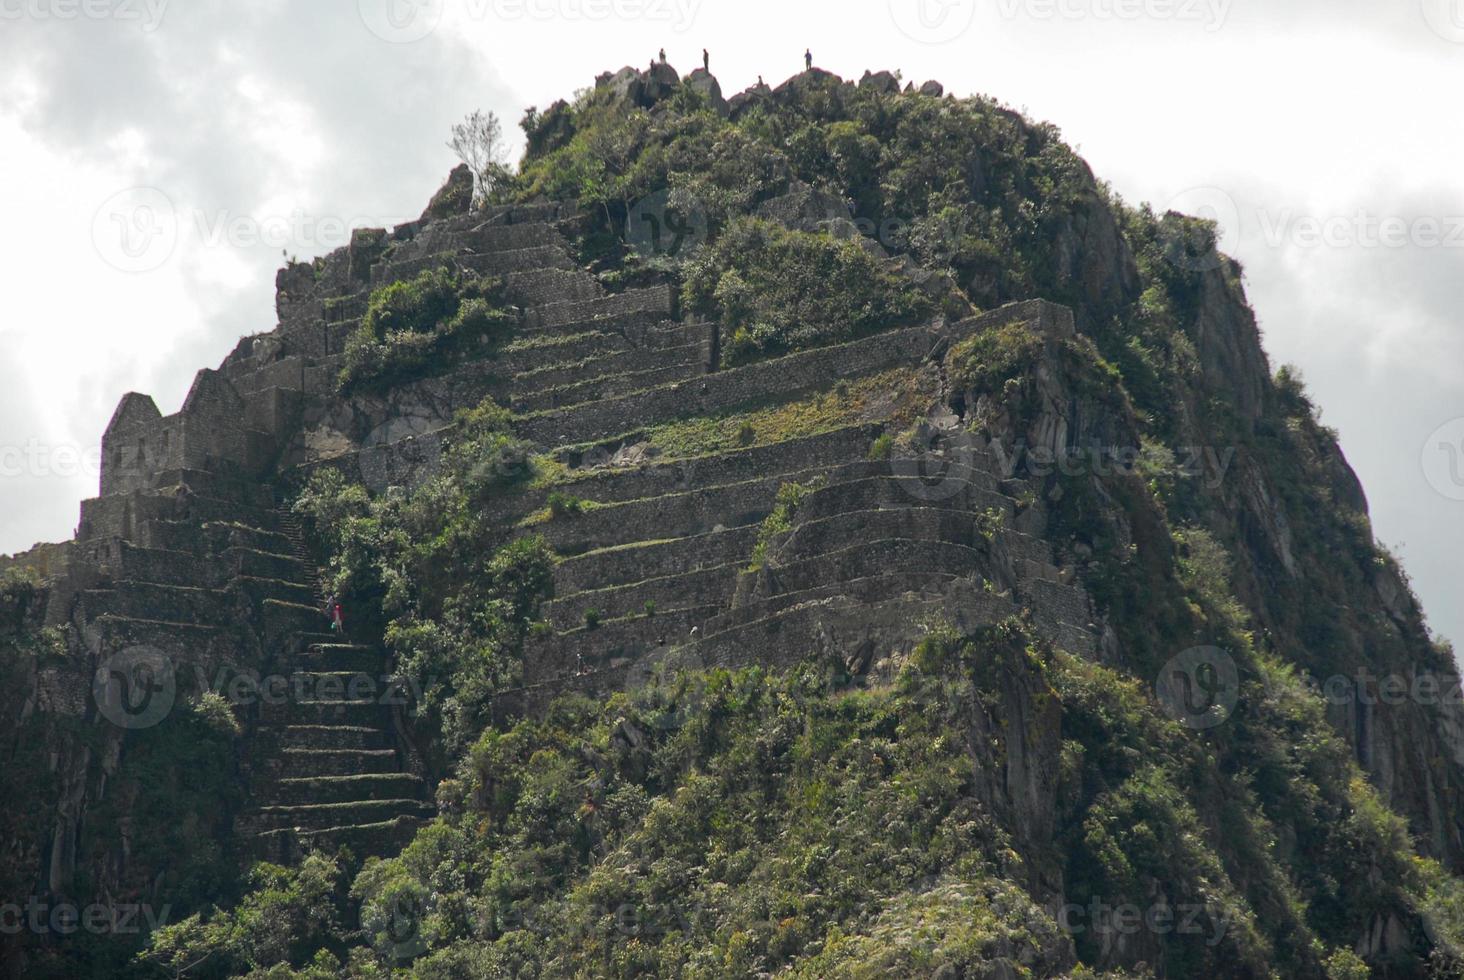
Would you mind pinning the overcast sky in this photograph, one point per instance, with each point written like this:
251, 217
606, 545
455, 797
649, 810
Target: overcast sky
1324, 135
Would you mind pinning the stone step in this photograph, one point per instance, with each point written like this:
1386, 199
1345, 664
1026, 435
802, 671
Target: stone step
335, 655
823, 535
369, 684
217, 485
601, 386
552, 286
364, 713
531, 212
848, 625
683, 513
489, 237
869, 589
672, 515
657, 300
302, 790
115, 633
350, 306
689, 589
626, 564
609, 484
149, 600
280, 618
322, 816
288, 846
870, 558
353, 738
559, 655
161, 566
310, 762
252, 563
1054, 603
498, 263
504, 262
607, 355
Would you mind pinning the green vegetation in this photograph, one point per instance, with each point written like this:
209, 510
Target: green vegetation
416, 324
988, 360
455, 598
780, 521
818, 413
923, 818
740, 823
776, 291
564, 505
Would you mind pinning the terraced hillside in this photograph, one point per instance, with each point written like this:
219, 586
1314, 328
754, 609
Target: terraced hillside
820, 599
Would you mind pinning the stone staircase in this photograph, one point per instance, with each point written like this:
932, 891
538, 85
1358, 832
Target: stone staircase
332, 769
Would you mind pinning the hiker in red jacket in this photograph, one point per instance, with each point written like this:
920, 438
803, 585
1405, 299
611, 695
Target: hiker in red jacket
334, 614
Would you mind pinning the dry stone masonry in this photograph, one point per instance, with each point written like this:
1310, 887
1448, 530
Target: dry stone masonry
189, 549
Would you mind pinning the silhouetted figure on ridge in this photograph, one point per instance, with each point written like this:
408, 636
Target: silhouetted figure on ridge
808, 59
663, 56
706, 61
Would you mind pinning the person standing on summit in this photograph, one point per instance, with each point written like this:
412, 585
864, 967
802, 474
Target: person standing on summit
706, 61
808, 59
663, 56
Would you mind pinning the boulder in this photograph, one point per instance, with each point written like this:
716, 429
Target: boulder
806, 208
933, 89
618, 82
454, 197
883, 82
654, 85
706, 83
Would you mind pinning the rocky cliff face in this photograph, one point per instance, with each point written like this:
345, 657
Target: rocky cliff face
1072, 459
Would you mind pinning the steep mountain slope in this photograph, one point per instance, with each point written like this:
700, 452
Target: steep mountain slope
820, 531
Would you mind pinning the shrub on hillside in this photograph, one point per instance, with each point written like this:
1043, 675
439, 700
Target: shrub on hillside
776, 291
415, 322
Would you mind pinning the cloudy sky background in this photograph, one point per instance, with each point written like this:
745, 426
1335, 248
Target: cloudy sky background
1325, 135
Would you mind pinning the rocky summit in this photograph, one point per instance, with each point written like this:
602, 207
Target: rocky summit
818, 532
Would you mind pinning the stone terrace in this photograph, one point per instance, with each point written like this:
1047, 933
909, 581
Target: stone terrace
187, 548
